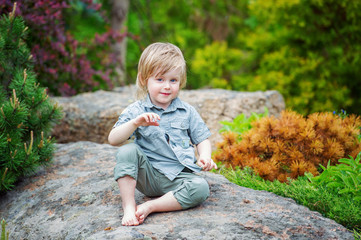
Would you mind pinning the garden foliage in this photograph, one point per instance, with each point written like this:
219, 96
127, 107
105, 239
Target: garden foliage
309, 55
343, 178
26, 112
196, 27
291, 145
241, 123
67, 59
307, 50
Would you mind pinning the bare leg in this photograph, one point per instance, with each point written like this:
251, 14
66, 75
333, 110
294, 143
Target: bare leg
127, 189
166, 203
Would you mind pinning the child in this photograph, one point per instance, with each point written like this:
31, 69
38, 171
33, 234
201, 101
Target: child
161, 161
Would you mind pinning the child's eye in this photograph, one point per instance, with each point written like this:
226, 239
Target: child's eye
174, 80
159, 79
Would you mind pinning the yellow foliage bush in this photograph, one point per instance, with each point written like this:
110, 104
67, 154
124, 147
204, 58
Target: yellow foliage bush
289, 146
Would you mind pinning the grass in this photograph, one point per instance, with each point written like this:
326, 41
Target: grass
340, 207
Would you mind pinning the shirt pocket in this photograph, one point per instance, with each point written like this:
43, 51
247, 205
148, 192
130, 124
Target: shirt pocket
179, 133
151, 138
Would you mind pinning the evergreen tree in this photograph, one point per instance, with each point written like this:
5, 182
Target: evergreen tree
26, 112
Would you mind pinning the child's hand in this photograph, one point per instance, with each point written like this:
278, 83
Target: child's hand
147, 119
206, 164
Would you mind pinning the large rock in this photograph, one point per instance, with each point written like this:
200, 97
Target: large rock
90, 116
77, 198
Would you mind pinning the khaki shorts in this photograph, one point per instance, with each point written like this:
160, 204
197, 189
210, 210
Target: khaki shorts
188, 188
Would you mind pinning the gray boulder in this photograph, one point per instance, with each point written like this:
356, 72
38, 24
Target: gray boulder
90, 116
77, 198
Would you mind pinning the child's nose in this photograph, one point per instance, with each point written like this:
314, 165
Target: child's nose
166, 84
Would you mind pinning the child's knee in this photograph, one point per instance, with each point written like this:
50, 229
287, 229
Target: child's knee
126, 157
192, 193
126, 151
200, 190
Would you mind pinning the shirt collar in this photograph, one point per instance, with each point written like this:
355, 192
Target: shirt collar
174, 105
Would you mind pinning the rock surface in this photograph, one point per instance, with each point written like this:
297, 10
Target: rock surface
90, 116
77, 198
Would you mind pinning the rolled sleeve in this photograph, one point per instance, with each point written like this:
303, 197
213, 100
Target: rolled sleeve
123, 118
128, 114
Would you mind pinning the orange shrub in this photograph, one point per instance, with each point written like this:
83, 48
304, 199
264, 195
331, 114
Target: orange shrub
289, 146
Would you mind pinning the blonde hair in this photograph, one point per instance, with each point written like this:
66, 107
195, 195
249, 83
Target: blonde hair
159, 58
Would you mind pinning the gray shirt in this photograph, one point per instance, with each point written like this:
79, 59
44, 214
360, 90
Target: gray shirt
169, 146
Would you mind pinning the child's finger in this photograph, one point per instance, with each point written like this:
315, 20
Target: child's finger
145, 117
154, 117
214, 166
150, 117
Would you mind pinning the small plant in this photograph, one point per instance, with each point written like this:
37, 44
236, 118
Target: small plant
343, 178
357, 235
4, 234
241, 123
342, 113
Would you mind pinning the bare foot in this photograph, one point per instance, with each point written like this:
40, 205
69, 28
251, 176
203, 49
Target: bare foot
129, 218
143, 210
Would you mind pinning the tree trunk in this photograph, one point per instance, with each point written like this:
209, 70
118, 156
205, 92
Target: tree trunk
119, 13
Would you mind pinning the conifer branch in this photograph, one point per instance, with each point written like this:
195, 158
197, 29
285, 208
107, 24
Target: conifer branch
25, 75
53, 110
31, 142
12, 155
28, 150
23, 86
43, 99
2, 112
3, 177
45, 95
41, 144
12, 14
14, 102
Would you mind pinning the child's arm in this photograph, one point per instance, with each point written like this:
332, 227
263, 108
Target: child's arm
205, 161
121, 133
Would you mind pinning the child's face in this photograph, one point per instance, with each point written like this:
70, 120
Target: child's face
163, 89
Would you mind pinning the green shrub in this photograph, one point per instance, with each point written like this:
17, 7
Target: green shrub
26, 112
215, 64
310, 56
241, 123
343, 178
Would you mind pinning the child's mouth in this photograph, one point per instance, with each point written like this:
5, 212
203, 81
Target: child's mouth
166, 94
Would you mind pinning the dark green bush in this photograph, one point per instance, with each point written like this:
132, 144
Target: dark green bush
26, 112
